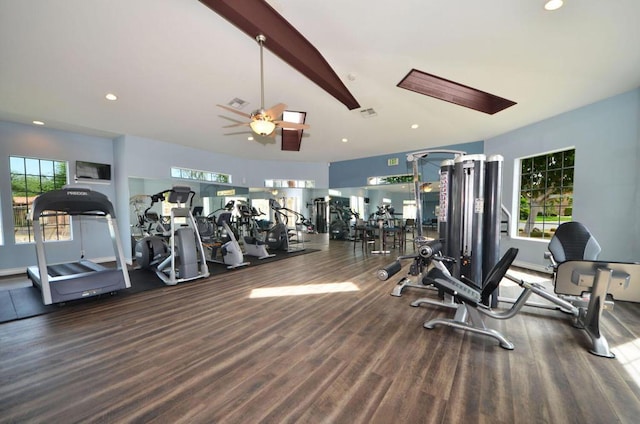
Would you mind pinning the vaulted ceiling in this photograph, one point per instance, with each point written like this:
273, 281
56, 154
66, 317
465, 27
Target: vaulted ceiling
171, 61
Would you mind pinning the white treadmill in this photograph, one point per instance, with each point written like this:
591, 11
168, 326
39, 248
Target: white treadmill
75, 280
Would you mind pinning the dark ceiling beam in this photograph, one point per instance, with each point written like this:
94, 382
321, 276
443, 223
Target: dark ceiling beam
255, 17
454, 92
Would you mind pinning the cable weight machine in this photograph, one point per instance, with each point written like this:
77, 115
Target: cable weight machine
470, 214
468, 220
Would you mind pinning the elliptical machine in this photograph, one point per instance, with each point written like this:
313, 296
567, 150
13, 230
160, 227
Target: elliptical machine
278, 237
339, 226
182, 258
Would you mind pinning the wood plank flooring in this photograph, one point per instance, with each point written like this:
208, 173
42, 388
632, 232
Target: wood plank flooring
208, 352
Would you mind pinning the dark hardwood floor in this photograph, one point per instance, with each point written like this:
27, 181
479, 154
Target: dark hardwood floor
214, 351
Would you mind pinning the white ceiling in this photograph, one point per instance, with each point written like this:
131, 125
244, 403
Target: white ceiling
171, 61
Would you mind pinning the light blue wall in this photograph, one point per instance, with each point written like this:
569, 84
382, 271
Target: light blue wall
606, 136
38, 142
607, 193
354, 173
146, 158
130, 157
152, 159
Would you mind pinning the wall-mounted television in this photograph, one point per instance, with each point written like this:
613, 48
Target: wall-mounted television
93, 171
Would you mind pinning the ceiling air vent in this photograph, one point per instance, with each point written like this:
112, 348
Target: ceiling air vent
368, 113
452, 92
237, 103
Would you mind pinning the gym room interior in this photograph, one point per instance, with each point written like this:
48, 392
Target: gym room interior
319, 212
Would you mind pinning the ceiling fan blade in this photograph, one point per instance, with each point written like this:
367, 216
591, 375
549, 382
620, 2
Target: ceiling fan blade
275, 111
230, 109
240, 124
292, 125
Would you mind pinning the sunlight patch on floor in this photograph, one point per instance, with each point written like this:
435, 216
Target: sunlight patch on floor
303, 290
628, 355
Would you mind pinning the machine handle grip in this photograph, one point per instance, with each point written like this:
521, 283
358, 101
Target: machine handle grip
389, 271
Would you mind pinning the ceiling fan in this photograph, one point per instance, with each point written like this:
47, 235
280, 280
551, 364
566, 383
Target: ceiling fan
264, 121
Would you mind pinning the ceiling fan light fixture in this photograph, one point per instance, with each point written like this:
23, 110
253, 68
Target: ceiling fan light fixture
553, 5
262, 126
263, 121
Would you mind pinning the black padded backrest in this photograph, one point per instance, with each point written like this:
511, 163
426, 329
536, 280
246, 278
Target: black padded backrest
430, 276
572, 241
497, 274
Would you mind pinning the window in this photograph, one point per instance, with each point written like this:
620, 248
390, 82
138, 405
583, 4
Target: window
390, 179
290, 183
262, 205
546, 193
409, 209
357, 205
29, 178
194, 174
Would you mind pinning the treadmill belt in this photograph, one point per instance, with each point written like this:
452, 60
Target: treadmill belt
72, 268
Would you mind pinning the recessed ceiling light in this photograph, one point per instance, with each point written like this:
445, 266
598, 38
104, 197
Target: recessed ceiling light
414, 126
250, 138
38, 123
553, 4
111, 96
344, 140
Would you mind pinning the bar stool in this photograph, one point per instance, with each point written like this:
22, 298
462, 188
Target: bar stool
361, 233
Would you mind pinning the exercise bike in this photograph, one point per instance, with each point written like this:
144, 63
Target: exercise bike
253, 244
230, 250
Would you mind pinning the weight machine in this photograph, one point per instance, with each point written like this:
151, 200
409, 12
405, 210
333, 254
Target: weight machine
469, 215
584, 286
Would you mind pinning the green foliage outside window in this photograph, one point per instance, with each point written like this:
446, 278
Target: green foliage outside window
546, 193
29, 178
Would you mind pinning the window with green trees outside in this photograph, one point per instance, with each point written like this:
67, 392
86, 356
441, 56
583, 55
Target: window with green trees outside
29, 178
546, 193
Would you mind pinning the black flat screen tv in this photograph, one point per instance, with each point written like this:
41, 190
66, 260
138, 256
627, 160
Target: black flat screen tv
93, 171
